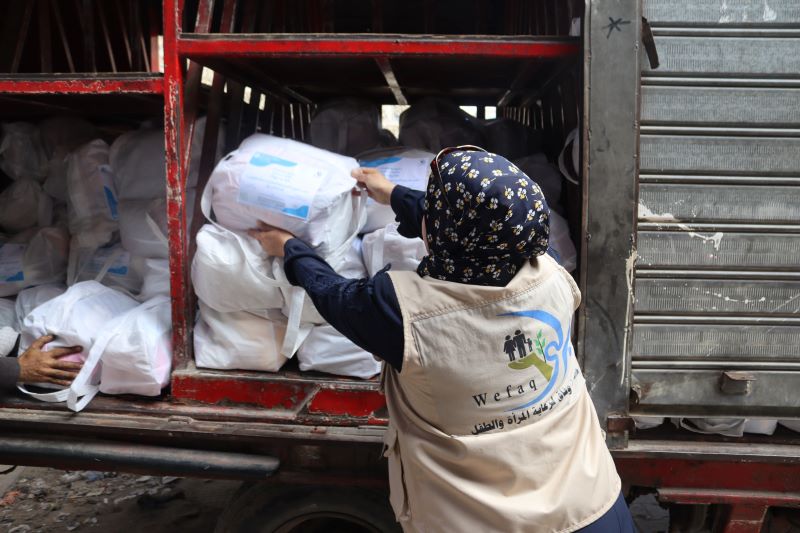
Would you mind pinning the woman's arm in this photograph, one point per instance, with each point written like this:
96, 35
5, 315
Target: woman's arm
406, 203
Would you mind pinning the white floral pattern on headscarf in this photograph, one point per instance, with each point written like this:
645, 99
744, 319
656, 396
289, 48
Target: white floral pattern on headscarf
483, 220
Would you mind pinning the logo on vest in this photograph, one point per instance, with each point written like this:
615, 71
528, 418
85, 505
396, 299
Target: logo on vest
524, 352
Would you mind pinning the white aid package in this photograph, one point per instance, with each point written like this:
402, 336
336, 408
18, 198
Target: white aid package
138, 160
32, 297
111, 265
287, 184
347, 126
92, 200
21, 153
409, 168
327, 350
561, 242
23, 205
8, 316
34, 257
155, 278
240, 340
76, 318
386, 246
143, 225
60, 136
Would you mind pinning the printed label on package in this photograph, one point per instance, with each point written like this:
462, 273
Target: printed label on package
411, 172
11, 256
108, 190
119, 266
280, 185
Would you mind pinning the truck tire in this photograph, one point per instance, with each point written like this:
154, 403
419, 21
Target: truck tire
262, 508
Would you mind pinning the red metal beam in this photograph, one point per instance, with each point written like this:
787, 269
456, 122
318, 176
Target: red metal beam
81, 85
233, 45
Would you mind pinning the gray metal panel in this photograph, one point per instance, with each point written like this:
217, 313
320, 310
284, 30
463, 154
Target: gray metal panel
717, 297
734, 155
685, 392
728, 55
702, 342
720, 203
720, 105
610, 147
767, 12
742, 251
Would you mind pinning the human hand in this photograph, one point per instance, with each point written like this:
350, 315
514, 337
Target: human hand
272, 240
378, 187
37, 365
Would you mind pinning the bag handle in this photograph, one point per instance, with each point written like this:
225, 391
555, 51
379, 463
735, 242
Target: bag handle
562, 166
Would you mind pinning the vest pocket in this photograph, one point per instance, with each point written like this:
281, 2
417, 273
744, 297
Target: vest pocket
397, 485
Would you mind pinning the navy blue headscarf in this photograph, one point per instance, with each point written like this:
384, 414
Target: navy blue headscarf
483, 219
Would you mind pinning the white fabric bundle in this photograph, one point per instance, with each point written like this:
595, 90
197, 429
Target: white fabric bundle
760, 426
21, 153
435, 123
729, 427
386, 246
402, 166
290, 185
155, 278
138, 159
23, 205
92, 203
239, 340
8, 316
76, 318
348, 126
34, 257
60, 136
32, 297
647, 422
561, 242
111, 265
327, 350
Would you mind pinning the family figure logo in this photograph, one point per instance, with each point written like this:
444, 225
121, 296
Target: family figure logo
524, 352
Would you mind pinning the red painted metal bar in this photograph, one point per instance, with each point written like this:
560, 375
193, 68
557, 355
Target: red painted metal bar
82, 85
220, 45
176, 194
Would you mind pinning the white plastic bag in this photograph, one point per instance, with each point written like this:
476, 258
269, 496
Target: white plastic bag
23, 205
143, 225
760, 426
409, 168
290, 185
35, 257
155, 279
32, 297
647, 422
111, 265
8, 315
92, 204
561, 242
348, 126
794, 425
238, 340
60, 136
386, 246
76, 318
21, 153
138, 159
729, 427
327, 350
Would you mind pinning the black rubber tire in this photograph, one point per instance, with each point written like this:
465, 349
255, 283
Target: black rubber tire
263, 508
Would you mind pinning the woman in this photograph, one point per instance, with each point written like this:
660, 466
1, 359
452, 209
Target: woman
475, 442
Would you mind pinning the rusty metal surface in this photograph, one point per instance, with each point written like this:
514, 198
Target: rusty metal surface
139, 83
723, 12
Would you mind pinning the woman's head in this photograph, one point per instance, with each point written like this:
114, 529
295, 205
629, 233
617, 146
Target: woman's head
483, 218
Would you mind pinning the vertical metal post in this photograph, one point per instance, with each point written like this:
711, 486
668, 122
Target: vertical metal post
176, 193
610, 143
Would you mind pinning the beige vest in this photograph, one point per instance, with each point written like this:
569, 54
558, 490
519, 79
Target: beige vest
491, 426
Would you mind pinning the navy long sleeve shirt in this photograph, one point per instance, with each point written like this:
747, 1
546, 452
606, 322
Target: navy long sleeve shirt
366, 311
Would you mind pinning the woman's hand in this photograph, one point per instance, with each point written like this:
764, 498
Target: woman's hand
379, 188
45, 366
272, 240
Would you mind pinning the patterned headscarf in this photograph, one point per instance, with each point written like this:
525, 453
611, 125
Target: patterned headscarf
483, 219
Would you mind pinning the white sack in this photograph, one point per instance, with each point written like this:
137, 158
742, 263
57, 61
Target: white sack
143, 225
434, 123
35, 257
647, 422
8, 315
289, 185
111, 265
138, 159
239, 340
76, 318
794, 425
348, 126
136, 350
60, 136
32, 297
547, 177
386, 246
327, 350
409, 168
760, 426
561, 242
155, 278
21, 153
23, 205
92, 204
729, 427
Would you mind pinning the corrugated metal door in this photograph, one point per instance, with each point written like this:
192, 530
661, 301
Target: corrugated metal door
717, 284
